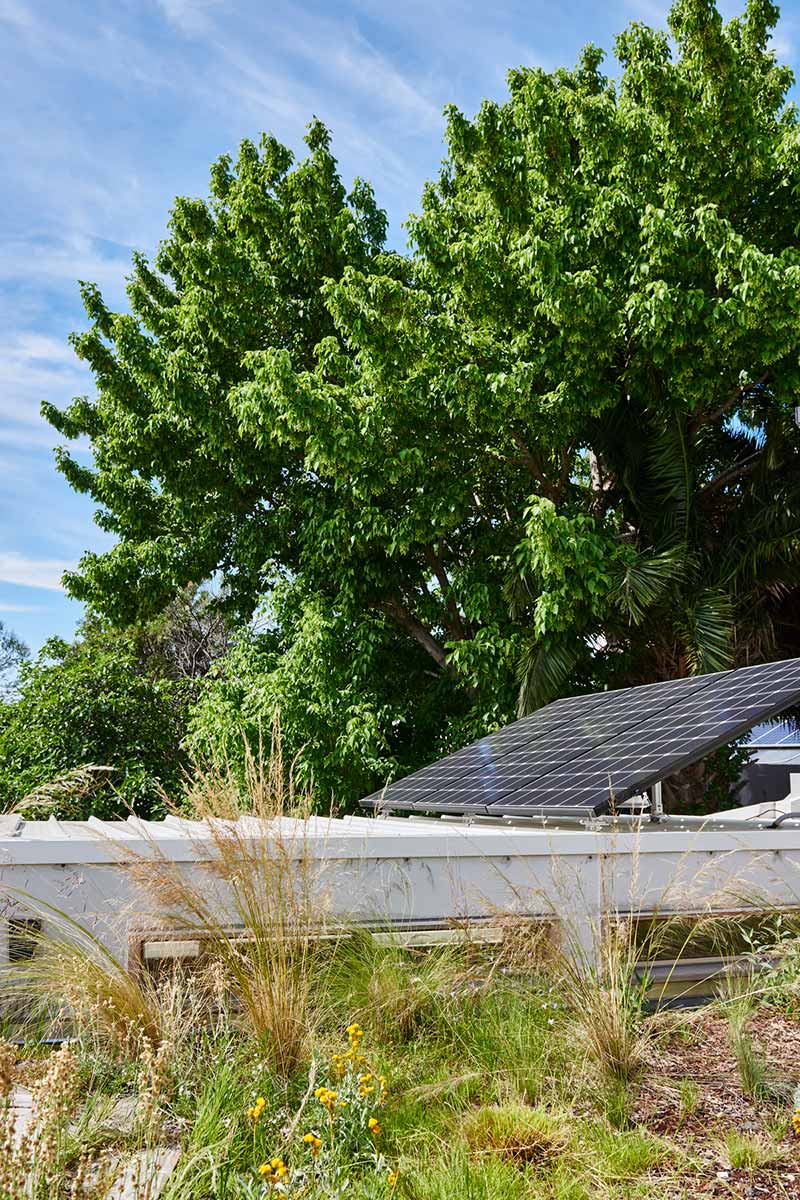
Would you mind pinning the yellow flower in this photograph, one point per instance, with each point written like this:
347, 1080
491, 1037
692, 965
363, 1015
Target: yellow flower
257, 1109
313, 1142
355, 1034
327, 1097
339, 1065
374, 1126
796, 1121
274, 1171
392, 1179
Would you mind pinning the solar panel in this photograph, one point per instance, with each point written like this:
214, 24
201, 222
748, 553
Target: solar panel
772, 736
583, 755
482, 758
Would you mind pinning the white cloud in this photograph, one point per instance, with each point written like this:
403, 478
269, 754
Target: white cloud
31, 572
35, 367
189, 17
20, 608
783, 45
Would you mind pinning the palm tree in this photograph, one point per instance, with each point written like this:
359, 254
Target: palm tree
710, 510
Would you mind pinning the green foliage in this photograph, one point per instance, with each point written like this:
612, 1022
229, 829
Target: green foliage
345, 694
723, 776
552, 448
456, 1119
90, 703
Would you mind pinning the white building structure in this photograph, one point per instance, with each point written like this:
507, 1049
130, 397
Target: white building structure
548, 819
420, 876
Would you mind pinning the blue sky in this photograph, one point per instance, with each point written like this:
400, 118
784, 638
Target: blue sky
110, 109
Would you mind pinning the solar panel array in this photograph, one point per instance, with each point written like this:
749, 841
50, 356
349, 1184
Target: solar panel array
584, 755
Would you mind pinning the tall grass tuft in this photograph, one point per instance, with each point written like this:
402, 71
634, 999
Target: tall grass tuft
74, 979
398, 993
257, 903
255, 900
605, 997
608, 982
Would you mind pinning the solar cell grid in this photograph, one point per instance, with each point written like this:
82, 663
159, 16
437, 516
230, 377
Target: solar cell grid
593, 720
486, 753
579, 753
685, 733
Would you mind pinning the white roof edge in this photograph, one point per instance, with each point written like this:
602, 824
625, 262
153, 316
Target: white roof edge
10, 825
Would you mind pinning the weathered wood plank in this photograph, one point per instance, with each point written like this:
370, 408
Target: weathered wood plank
145, 1174
21, 1111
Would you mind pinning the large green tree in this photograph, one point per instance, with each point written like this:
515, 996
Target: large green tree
89, 704
554, 446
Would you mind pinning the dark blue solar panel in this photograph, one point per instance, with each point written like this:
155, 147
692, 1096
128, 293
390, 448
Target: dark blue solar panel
588, 753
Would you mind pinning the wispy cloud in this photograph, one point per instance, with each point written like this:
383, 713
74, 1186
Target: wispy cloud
35, 367
111, 108
33, 573
20, 608
190, 17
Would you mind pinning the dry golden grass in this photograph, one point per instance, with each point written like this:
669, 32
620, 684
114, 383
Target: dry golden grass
30, 1165
258, 902
74, 977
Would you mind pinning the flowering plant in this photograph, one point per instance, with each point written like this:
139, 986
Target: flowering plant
335, 1135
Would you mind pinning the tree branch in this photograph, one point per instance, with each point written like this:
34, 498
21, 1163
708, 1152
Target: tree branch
736, 394
408, 622
436, 563
745, 467
529, 460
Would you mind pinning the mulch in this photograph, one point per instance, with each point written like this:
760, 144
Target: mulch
698, 1049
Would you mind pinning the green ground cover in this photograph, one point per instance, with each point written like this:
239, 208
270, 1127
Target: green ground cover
441, 1075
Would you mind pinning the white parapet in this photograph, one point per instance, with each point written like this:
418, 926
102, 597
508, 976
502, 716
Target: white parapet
410, 873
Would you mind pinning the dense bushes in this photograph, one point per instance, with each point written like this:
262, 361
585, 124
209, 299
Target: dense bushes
91, 702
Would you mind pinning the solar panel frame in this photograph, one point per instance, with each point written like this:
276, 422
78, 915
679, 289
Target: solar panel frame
648, 716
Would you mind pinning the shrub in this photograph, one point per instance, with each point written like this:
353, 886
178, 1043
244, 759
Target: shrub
91, 704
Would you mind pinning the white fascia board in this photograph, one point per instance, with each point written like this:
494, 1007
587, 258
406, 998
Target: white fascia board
441, 842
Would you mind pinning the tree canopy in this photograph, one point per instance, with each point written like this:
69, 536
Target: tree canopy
87, 705
552, 447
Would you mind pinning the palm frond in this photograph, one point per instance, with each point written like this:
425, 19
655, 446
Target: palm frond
707, 632
545, 670
671, 479
519, 592
643, 582
747, 563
